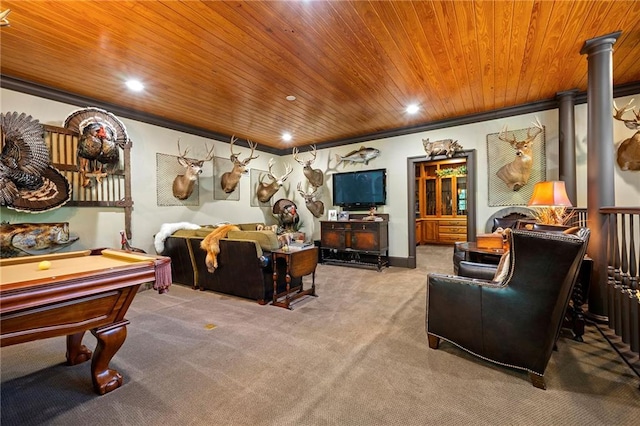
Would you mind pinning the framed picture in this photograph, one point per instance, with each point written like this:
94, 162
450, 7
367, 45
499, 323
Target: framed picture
343, 216
222, 165
332, 215
506, 151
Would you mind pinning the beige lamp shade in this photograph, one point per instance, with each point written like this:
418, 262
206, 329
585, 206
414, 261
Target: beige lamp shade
550, 194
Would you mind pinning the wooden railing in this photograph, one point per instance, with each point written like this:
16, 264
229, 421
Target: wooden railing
622, 292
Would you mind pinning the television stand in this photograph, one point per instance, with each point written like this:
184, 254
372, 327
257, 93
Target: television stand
356, 242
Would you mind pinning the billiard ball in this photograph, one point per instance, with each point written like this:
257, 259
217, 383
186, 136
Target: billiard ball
45, 264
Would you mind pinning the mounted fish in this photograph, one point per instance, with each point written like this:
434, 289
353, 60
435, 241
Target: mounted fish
28, 182
102, 136
34, 238
362, 155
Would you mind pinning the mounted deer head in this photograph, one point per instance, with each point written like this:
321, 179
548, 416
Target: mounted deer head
265, 191
314, 176
183, 184
628, 156
315, 207
516, 173
229, 180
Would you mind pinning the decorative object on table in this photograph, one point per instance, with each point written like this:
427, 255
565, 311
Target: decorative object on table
229, 180
314, 176
343, 216
549, 202
183, 183
361, 155
286, 213
102, 136
211, 244
490, 241
372, 215
316, 207
332, 215
628, 154
446, 147
265, 191
515, 165
166, 230
24, 239
28, 181
124, 244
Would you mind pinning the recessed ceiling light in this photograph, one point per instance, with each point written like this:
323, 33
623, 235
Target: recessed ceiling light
135, 85
290, 98
286, 136
412, 109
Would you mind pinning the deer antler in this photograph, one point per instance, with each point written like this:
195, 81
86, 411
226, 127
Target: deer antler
631, 124
305, 163
253, 146
234, 156
287, 171
539, 128
182, 154
503, 136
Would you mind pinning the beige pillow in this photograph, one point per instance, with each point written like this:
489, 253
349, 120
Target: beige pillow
266, 239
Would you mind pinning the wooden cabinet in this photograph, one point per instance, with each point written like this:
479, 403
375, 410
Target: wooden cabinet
355, 242
441, 201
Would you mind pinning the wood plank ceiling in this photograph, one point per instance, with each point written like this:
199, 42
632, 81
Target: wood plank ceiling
353, 66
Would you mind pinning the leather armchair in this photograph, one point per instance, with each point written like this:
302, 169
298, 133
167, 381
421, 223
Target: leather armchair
517, 321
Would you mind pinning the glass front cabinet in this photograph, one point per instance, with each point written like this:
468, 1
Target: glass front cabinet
441, 201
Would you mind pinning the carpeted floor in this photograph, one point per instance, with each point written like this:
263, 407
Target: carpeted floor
355, 355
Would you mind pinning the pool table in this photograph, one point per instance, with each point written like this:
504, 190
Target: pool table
80, 291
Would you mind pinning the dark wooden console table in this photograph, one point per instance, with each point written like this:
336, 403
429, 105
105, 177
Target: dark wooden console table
356, 242
300, 262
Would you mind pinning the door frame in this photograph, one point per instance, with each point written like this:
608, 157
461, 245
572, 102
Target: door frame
470, 155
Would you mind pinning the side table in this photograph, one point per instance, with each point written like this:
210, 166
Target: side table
300, 262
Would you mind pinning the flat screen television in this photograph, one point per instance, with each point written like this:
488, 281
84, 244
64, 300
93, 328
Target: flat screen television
360, 190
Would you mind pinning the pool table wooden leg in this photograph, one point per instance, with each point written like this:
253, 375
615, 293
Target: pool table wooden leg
110, 339
77, 353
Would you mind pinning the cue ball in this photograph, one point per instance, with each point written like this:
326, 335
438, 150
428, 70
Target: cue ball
45, 264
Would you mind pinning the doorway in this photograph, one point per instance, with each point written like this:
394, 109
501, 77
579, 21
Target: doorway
470, 156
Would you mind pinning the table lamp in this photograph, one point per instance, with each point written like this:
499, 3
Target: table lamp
550, 202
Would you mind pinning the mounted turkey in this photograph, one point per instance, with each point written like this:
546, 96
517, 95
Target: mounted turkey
286, 212
28, 182
102, 135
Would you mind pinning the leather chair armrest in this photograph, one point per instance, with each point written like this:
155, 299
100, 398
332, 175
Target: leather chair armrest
477, 270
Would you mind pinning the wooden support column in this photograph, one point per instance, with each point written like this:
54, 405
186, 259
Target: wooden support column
600, 161
567, 152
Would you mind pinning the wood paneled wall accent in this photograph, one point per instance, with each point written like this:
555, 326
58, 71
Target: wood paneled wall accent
226, 67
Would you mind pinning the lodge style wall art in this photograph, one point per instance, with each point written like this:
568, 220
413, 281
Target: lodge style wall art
516, 161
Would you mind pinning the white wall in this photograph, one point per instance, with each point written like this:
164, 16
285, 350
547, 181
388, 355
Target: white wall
100, 227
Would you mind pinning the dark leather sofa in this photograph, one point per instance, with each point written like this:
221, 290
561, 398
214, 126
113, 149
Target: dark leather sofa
245, 268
